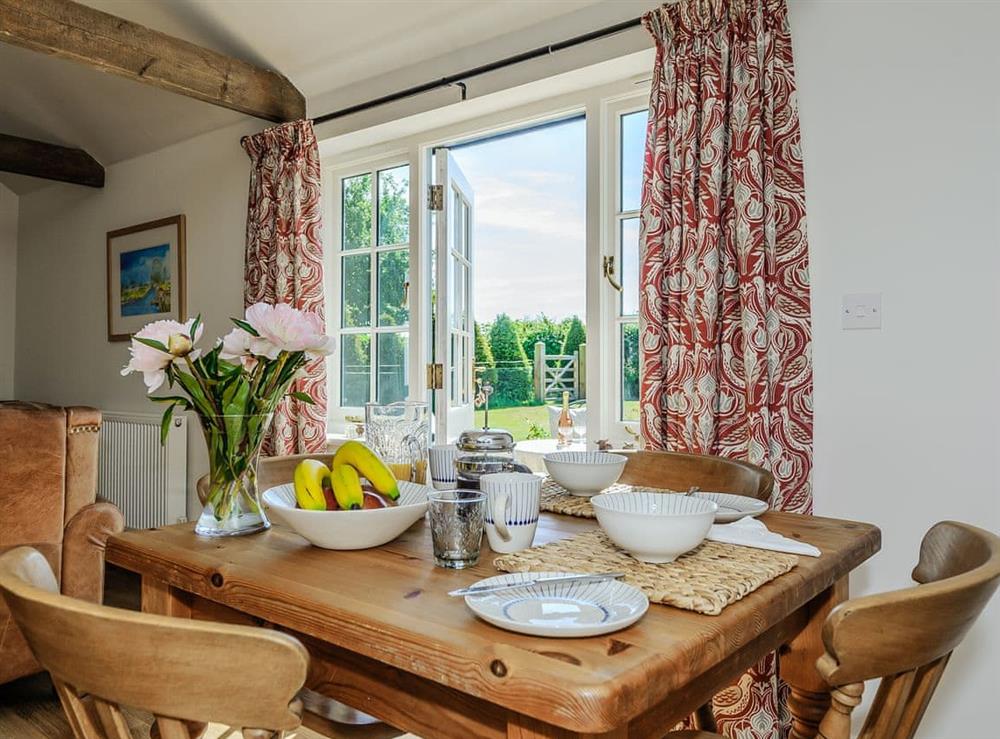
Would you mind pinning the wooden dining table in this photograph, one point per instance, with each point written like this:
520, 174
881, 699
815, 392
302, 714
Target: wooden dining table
385, 638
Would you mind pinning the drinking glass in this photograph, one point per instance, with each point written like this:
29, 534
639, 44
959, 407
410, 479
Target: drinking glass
457, 521
400, 434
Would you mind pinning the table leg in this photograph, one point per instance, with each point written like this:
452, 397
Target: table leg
159, 597
810, 695
524, 727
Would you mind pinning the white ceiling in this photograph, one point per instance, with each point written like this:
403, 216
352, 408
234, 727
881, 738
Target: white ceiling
320, 45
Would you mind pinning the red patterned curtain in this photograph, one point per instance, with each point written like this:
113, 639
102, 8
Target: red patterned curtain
726, 338
284, 262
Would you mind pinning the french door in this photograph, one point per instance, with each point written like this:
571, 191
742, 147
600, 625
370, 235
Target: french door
451, 373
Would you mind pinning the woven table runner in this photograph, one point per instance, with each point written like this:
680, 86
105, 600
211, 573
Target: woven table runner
555, 498
705, 580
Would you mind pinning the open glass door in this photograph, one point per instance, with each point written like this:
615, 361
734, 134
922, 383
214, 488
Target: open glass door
453, 313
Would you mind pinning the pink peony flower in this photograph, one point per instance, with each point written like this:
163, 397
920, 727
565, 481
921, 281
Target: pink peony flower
236, 348
284, 328
153, 363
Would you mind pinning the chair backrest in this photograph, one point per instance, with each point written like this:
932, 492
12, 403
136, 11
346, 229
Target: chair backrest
179, 670
906, 637
678, 471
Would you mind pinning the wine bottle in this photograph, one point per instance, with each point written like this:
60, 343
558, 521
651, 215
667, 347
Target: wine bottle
565, 424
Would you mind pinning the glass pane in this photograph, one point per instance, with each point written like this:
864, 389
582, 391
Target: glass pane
393, 361
393, 272
459, 289
356, 290
629, 261
357, 212
630, 372
633, 147
394, 206
456, 222
465, 370
355, 369
453, 367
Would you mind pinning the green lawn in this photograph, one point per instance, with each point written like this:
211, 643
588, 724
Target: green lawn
517, 420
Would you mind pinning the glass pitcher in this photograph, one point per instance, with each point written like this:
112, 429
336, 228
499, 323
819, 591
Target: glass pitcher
400, 434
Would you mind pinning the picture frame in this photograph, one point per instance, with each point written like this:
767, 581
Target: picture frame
146, 275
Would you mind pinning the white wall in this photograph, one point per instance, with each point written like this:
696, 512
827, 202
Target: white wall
62, 347
899, 113
8, 292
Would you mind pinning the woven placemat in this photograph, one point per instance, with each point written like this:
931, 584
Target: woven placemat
556, 499
705, 580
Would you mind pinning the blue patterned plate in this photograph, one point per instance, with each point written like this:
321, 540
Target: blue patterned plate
559, 609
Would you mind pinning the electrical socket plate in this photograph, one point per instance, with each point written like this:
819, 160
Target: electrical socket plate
861, 311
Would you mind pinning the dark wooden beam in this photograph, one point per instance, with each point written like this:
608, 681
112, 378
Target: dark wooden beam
49, 161
108, 43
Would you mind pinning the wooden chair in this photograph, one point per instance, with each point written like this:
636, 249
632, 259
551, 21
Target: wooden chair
904, 637
678, 471
183, 672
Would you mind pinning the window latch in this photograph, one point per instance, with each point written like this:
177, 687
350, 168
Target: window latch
609, 272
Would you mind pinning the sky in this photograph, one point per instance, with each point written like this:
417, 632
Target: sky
530, 222
530, 217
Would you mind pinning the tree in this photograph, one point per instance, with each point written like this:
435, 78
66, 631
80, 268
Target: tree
576, 334
485, 366
484, 353
514, 386
630, 362
544, 329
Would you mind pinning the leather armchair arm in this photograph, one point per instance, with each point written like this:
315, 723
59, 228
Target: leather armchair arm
83, 550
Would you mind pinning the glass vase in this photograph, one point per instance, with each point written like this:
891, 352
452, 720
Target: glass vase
232, 501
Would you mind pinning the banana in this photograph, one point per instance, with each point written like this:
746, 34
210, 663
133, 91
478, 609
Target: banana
369, 465
309, 477
347, 487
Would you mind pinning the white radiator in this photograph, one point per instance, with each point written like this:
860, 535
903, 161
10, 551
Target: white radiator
147, 481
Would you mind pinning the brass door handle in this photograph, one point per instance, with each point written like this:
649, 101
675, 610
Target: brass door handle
609, 272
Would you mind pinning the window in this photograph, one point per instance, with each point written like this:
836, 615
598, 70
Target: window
631, 137
373, 296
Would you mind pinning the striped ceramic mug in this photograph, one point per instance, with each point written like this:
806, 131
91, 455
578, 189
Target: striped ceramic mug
443, 473
512, 505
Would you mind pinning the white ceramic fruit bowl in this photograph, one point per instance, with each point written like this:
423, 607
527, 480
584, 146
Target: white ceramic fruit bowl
654, 527
585, 473
349, 529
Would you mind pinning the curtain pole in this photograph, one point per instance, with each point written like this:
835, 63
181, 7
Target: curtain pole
457, 79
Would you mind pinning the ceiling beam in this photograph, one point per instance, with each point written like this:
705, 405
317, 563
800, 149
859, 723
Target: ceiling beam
49, 161
111, 44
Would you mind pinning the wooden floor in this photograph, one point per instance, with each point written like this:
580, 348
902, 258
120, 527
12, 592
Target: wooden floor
29, 708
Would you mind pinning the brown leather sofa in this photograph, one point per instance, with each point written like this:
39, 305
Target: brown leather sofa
48, 484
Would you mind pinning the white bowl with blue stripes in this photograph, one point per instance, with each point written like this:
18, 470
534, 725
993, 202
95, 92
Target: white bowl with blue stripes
654, 527
585, 473
559, 609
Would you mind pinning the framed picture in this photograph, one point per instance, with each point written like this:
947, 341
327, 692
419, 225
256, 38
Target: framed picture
145, 276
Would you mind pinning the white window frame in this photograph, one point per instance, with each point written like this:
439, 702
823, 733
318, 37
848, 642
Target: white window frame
619, 429
601, 106
337, 413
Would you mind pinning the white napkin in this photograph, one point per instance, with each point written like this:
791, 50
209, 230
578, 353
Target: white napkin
749, 532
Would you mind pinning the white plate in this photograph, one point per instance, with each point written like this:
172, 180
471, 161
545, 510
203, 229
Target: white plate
559, 609
349, 529
734, 507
